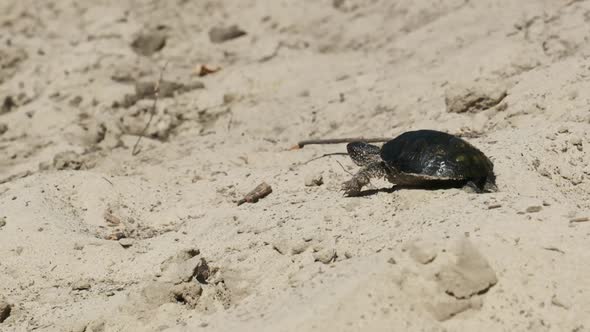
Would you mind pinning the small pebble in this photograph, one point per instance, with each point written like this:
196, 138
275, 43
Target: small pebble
494, 206
559, 302
562, 130
533, 209
222, 34
81, 285
299, 248
314, 180
580, 219
148, 43
95, 326
229, 97
326, 255
423, 252
79, 327
576, 140
126, 242
2, 222
76, 101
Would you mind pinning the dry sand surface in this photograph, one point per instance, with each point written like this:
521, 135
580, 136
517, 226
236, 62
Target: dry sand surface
96, 238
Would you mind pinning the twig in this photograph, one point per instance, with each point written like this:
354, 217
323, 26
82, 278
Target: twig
274, 53
340, 140
326, 155
135, 150
344, 169
231, 119
107, 180
554, 249
579, 219
261, 191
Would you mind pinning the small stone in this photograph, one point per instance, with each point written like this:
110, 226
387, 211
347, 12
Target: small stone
2, 222
562, 130
471, 273
147, 43
95, 326
3, 128
78, 246
182, 269
5, 309
478, 97
187, 293
126, 242
347, 254
391, 261
81, 285
444, 309
314, 180
576, 140
533, 209
421, 251
76, 101
559, 302
68, 160
166, 89
229, 98
79, 327
299, 248
325, 255
219, 35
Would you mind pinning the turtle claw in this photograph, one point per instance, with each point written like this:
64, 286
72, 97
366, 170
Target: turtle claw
351, 188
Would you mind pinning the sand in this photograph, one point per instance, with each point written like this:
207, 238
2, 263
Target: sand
98, 236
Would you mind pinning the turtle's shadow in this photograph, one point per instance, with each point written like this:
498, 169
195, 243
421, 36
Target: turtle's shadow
435, 185
371, 192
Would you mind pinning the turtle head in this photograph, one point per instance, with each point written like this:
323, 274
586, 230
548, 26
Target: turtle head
363, 153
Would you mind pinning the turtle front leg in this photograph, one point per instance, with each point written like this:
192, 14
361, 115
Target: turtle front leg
362, 178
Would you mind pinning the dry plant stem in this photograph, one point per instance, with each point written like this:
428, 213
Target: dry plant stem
326, 155
301, 144
136, 149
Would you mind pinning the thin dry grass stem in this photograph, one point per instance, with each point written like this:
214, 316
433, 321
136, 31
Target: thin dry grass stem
136, 149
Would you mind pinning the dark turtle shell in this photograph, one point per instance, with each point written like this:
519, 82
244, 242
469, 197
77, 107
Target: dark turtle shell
437, 154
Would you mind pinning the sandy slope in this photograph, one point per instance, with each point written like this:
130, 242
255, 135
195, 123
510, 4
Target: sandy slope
303, 258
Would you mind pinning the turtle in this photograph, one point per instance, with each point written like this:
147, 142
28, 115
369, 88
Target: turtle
424, 159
